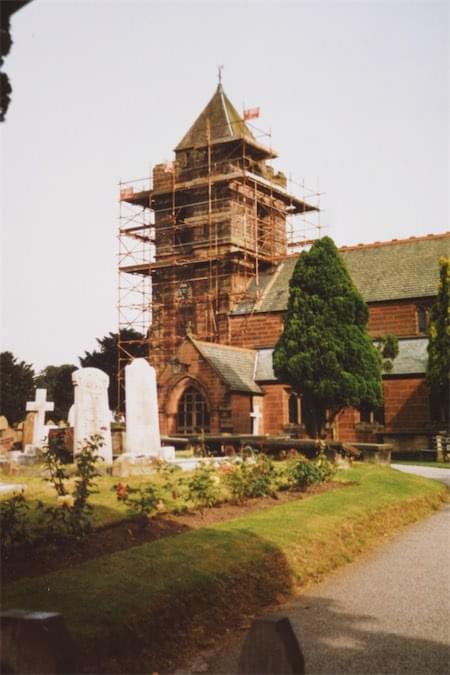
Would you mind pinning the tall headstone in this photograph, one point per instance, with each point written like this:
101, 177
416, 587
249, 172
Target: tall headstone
91, 413
143, 436
40, 406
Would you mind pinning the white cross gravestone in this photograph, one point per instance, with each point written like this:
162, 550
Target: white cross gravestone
141, 399
40, 406
91, 411
256, 416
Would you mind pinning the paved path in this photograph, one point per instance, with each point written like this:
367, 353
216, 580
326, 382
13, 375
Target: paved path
442, 475
385, 614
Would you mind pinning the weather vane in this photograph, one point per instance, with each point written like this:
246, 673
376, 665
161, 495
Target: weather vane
219, 70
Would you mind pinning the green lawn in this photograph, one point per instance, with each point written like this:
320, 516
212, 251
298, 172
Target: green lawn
107, 509
136, 610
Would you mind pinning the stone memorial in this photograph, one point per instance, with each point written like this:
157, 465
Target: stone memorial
28, 429
40, 406
91, 412
8, 436
71, 416
143, 437
141, 396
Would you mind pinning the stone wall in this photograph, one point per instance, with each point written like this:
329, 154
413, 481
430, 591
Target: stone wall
398, 318
256, 330
406, 405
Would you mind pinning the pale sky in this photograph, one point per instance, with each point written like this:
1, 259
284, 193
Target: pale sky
355, 95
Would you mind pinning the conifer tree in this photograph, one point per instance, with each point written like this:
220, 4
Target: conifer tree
16, 387
325, 352
438, 367
106, 357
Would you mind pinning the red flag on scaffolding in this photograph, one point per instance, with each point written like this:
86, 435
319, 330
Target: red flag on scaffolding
251, 113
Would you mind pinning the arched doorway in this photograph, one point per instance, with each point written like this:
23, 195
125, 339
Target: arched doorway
192, 412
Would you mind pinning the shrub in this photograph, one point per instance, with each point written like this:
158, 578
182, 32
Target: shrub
327, 469
235, 481
204, 487
58, 448
13, 521
174, 487
303, 473
72, 515
259, 477
145, 501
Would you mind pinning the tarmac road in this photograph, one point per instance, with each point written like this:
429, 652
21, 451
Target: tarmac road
388, 613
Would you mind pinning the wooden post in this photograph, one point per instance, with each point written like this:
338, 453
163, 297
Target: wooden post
34, 643
271, 648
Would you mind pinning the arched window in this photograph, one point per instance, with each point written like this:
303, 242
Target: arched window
193, 413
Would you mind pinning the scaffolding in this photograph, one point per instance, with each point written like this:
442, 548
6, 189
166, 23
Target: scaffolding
195, 239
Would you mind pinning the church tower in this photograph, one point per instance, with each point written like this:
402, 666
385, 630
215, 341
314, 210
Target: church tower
218, 220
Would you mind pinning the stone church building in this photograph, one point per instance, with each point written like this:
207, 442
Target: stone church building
220, 262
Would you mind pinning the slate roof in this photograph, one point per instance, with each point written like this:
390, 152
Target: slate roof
393, 270
412, 357
411, 360
225, 124
264, 369
235, 366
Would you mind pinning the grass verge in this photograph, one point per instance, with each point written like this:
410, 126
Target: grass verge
139, 610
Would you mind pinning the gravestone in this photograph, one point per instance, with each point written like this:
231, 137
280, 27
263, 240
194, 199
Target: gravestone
40, 406
35, 642
271, 648
71, 416
91, 411
143, 437
8, 436
28, 429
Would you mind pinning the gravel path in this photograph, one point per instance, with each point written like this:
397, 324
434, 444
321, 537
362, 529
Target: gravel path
385, 614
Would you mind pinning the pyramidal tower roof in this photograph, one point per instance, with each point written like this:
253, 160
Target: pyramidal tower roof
223, 120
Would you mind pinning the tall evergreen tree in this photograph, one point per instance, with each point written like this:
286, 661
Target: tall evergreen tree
325, 352
16, 387
58, 382
107, 357
438, 367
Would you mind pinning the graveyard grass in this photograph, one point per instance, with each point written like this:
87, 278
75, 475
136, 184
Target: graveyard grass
144, 608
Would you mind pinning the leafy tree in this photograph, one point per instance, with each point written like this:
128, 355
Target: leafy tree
16, 387
438, 367
387, 346
58, 382
324, 352
107, 357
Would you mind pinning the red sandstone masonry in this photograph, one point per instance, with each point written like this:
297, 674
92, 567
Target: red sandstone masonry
275, 411
256, 330
399, 318
406, 404
241, 406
